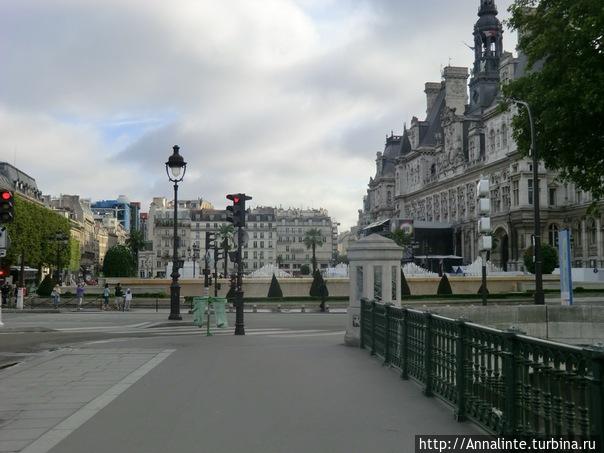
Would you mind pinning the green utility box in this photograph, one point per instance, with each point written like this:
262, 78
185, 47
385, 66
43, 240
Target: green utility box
200, 304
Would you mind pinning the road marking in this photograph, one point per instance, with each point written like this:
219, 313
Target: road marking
321, 334
52, 437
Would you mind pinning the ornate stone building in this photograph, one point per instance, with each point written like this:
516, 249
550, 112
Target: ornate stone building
438, 162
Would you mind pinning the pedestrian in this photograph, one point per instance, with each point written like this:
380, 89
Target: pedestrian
119, 296
5, 291
127, 300
80, 295
106, 297
56, 296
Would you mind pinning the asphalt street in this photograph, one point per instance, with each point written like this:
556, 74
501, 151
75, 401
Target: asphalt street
132, 382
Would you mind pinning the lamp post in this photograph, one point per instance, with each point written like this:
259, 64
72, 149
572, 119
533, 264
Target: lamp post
175, 169
193, 255
539, 296
61, 239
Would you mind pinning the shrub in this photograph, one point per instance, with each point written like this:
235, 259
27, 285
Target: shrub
405, 290
305, 269
274, 291
318, 288
549, 258
45, 287
444, 287
480, 289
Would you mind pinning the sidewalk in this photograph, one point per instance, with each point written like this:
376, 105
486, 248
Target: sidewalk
44, 400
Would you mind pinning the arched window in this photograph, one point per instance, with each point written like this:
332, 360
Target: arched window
388, 198
553, 235
492, 140
504, 135
498, 138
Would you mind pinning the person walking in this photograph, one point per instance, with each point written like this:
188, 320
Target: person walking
127, 299
80, 295
119, 297
5, 291
106, 297
56, 296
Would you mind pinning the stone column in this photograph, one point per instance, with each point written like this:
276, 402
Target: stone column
366, 256
599, 242
584, 244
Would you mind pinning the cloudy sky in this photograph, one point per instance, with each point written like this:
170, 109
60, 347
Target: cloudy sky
286, 100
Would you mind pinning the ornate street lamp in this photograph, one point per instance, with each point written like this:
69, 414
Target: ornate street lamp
539, 295
175, 169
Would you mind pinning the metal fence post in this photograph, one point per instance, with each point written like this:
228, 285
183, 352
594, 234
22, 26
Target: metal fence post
373, 327
362, 321
596, 393
428, 353
404, 342
386, 335
510, 380
460, 371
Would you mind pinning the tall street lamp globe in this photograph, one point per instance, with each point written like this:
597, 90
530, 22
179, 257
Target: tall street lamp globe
175, 169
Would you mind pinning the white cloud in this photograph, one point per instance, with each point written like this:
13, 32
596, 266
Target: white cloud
285, 99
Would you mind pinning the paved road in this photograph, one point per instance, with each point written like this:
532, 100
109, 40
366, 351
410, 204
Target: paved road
289, 385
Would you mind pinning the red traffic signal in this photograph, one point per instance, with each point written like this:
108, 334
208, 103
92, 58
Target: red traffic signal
4, 272
7, 206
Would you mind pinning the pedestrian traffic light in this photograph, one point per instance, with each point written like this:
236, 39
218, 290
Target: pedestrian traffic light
7, 206
4, 272
236, 213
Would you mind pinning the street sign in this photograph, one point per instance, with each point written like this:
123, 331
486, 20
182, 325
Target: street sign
2, 253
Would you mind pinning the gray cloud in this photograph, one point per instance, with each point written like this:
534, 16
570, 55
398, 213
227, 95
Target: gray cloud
301, 92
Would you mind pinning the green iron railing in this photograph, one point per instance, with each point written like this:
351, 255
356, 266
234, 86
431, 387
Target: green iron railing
509, 383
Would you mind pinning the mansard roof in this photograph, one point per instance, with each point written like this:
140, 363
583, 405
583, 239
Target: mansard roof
433, 121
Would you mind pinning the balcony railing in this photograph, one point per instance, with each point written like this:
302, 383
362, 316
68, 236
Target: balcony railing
507, 382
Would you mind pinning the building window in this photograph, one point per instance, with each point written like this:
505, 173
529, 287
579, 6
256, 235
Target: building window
552, 196
591, 232
504, 135
530, 191
515, 193
492, 140
553, 235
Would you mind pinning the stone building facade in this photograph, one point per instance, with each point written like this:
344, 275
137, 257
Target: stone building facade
275, 236
465, 137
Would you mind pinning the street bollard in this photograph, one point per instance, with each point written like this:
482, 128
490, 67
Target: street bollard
254, 308
327, 308
20, 299
156, 305
278, 308
303, 310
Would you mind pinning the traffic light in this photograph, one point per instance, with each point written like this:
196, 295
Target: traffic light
210, 241
7, 207
236, 213
485, 240
4, 272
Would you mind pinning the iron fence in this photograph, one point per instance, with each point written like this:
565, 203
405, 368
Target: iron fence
509, 383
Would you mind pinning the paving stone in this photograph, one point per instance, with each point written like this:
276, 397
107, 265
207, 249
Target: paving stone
12, 445
8, 433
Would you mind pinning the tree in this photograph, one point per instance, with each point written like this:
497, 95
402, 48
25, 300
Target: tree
225, 233
444, 287
304, 269
136, 243
549, 258
341, 258
401, 238
274, 291
33, 234
564, 43
313, 238
119, 262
